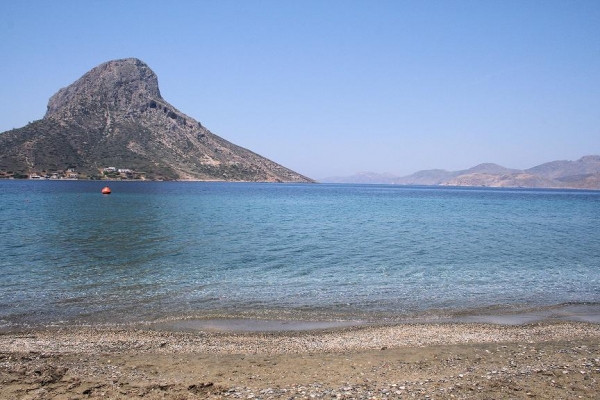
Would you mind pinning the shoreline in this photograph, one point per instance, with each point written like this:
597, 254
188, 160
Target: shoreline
313, 182
551, 359
89, 339
569, 312
280, 321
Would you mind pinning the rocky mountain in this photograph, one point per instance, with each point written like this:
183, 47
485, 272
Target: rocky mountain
113, 122
580, 174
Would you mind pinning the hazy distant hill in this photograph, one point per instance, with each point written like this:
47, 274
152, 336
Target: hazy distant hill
488, 168
561, 169
363, 177
518, 179
113, 122
582, 174
427, 177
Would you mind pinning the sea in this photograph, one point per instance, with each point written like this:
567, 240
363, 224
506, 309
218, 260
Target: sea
192, 254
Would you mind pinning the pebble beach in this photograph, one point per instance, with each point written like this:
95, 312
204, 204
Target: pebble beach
451, 360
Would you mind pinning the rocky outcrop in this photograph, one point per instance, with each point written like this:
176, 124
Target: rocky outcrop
115, 116
122, 86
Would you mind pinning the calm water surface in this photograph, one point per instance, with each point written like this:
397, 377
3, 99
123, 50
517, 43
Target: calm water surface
153, 251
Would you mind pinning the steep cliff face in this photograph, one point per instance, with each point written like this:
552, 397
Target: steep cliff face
114, 116
120, 86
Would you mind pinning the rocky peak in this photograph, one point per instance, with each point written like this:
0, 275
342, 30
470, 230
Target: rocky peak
114, 116
117, 85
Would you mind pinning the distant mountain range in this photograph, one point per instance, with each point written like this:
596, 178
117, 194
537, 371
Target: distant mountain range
580, 174
113, 123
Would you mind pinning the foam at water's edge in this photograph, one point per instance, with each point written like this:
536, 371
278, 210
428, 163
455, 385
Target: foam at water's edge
589, 313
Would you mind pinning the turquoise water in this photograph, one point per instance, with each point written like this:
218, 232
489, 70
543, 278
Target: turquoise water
153, 251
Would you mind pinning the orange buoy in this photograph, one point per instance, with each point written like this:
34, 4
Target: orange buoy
106, 190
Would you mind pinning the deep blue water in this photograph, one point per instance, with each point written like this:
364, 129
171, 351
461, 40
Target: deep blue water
155, 250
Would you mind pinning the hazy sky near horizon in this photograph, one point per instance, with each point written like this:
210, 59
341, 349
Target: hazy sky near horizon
334, 87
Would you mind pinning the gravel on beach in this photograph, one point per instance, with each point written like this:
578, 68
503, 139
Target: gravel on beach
426, 361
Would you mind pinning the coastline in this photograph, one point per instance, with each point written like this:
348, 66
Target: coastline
547, 359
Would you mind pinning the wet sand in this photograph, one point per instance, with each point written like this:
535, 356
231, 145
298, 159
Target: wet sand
452, 360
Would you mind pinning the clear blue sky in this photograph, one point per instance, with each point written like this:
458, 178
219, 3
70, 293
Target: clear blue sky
335, 87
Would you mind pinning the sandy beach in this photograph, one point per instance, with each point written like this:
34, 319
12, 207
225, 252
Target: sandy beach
482, 361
